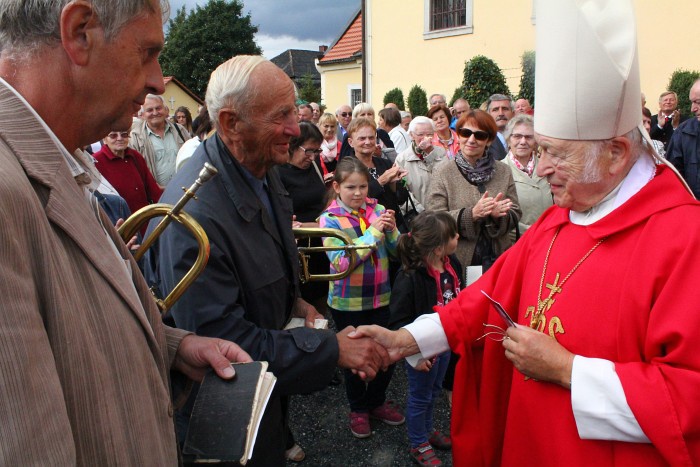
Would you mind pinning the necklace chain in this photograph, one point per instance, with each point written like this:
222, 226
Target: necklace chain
556, 288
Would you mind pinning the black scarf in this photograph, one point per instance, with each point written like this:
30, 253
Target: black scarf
479, 175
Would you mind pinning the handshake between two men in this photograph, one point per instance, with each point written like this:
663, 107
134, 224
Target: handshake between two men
368, 349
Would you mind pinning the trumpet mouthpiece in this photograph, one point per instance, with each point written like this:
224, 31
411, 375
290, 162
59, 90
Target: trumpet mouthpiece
207, 172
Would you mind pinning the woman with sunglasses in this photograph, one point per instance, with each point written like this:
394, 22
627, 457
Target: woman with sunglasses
533, 191
477, 191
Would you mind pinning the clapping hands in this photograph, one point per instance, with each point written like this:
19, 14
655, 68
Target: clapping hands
494, 207
392, 175
386, 222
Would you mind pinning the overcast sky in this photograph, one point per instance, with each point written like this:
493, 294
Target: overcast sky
291, 24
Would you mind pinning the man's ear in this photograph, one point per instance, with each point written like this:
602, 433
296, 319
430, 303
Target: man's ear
80, 29
620, 154
228, 122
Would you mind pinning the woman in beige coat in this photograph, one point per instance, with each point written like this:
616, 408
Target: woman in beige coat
477, 191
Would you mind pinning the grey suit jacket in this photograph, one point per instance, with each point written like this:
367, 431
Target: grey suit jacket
83, 353
497, 150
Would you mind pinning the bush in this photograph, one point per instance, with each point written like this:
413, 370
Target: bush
458, 94
681, 81
482, 77
396, 96
308, 90
527, 80
417, 101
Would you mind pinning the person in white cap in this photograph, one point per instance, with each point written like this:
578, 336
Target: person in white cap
601, 365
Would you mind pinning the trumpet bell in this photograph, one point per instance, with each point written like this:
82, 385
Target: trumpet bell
169, 214
305, 234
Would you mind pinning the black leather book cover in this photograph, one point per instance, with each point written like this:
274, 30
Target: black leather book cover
223, 414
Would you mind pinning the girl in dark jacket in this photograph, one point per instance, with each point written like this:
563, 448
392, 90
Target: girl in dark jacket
429, 276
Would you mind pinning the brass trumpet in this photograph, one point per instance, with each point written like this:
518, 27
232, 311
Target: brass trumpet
173, 213
307, 233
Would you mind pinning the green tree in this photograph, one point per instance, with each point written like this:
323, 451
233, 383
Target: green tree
396, 96
482, 77
458, 94
417, 101
681, 81
527, 80
199, 41
308, 90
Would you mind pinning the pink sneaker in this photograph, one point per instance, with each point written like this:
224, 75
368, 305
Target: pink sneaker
440, 440
359, 424
425, 456
389, 413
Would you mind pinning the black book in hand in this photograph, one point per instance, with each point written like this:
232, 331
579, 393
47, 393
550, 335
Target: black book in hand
227, 413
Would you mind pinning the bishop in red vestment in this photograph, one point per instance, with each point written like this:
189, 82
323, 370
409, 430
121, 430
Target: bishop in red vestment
601, 367
632, 301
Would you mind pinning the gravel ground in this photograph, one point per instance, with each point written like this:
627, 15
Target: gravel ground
321, 427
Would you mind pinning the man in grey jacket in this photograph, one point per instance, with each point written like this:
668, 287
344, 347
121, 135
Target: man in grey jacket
158, 139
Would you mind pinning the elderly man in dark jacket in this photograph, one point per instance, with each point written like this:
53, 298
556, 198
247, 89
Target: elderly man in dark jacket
249, 289
684, 148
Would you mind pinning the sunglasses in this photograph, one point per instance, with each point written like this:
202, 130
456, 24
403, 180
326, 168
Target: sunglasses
115, 135
478, 134
345, 114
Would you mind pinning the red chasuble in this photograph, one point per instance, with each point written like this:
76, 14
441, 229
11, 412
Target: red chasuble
633, 301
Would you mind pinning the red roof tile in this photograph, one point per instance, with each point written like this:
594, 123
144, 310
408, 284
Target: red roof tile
349, 44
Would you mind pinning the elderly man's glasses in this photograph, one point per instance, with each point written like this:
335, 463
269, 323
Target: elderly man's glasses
311, 152
478, 134
117, 134
345, 114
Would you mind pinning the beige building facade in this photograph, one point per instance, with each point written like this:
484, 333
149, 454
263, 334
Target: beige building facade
177, 94
341, 68
427, 42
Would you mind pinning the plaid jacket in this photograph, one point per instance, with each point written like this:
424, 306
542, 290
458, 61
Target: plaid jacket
367, 287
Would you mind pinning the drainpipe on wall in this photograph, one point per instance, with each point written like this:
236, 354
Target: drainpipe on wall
364, 51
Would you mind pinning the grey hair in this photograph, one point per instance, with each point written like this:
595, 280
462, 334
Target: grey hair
418, 121
520, 119
594, 149
155, 96
339, 109
362, 107
229, 85
28, 25
444, 98
500, 97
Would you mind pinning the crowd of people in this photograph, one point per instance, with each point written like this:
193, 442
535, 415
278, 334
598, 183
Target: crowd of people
533, 264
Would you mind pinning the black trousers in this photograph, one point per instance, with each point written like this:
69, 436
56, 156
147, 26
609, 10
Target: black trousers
364, 396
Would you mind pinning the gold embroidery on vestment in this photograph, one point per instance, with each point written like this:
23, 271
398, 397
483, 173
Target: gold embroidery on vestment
538, 320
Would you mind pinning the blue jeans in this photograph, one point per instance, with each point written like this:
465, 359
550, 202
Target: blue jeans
423, 390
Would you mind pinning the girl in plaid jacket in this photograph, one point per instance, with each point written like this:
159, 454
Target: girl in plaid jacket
363, 296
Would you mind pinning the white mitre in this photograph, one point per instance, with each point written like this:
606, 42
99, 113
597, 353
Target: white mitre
587, 72
587, 69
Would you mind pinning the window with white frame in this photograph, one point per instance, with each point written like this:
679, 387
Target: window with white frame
447, 18
355, 96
